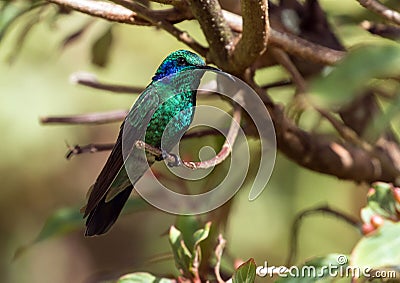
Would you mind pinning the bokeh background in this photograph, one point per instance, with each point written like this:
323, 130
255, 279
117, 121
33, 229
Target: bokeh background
37, 180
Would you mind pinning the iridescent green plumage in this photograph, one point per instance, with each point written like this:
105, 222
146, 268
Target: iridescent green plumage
169, 98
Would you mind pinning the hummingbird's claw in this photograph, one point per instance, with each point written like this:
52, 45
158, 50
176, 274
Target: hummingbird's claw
168, 156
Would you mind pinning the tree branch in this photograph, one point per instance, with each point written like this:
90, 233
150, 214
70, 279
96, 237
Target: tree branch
254, 36
93, 148
90, 80
220, 37
216, 30
162, 23
380, 9
89, 148
292, 44
91, 118
219, 158
102, 10
321, 210
322, 154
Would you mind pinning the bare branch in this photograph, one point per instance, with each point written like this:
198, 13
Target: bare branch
284, 60
383, 30
219, 158
292, 44
93, 148
161, 18
162, 23
284, 82
90, 80
254, 36
89, 148
168, 2
318, 210
91, 118
345, 132
215, 29
322, 154
103, 10
380, 9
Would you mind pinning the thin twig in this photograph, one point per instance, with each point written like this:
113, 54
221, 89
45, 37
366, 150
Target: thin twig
89, 148
90, 80
168, 2
162, 23
383, 30
285, 61
345, 132
90, 118
105, 10
226, 147
323, 209
219, 158
380, 9
284, 82
93, 147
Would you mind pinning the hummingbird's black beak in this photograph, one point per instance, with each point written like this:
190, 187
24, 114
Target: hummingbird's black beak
218, 70
210, 68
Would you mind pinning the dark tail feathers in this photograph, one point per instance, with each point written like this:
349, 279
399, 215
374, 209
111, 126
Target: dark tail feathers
105, 214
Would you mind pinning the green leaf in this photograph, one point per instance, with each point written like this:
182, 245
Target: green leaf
67, 220
101, 48
61, 222
188, 225
316, 270
354, 72
382, 201
143, 277
182, 255
381, 249
201, 234
246, 272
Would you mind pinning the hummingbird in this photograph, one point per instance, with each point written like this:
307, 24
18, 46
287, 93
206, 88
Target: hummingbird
168, 100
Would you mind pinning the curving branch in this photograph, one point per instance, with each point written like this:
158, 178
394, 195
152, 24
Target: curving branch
322, 154
219, 158
318, 210
382, 10
216, 30
131, 13
220, 38
253, 41
344, 159
95, 147
162, 23
292, 44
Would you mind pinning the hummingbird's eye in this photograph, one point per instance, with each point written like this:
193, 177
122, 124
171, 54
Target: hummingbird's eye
181, 61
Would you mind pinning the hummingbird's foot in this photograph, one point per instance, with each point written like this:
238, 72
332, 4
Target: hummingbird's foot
168, 156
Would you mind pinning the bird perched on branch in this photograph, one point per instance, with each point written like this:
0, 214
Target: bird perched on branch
169, 98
